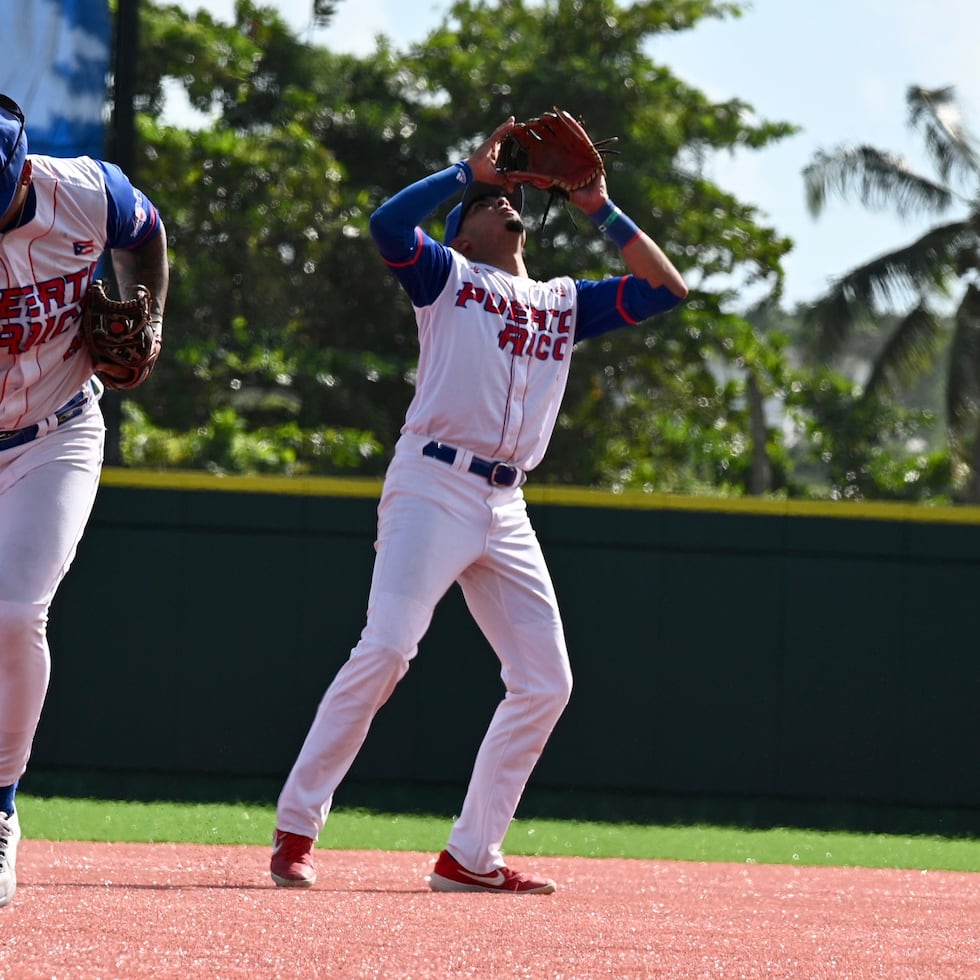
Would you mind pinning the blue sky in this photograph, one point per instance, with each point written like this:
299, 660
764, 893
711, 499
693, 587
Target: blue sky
838, 69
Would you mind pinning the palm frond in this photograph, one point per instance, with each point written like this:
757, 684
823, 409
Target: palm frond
963, 381
936, 257
890, 280
878, 179
948, 143
910, 350
832, 319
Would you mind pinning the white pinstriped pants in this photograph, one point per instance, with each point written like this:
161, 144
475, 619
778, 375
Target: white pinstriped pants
438, 525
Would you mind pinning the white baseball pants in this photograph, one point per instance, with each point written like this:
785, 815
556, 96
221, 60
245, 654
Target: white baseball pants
439, 524
47, 489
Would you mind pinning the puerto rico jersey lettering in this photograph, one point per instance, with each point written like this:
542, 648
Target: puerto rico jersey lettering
494, 355
80, 207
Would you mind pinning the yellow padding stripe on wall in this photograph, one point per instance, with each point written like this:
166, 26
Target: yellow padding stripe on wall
325, 486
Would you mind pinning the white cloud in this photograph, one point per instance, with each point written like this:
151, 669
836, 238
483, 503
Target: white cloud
352, 29
356, 24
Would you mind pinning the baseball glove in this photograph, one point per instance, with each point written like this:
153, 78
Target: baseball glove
122, 337
552, 152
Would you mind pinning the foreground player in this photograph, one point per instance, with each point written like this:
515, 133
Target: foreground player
495, 348
56, 218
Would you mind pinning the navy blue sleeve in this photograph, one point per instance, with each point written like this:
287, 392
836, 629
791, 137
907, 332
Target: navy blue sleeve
612, 303
132, 218
420, 263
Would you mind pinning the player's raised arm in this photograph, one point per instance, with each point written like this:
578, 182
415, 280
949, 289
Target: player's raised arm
642, 255
553, 152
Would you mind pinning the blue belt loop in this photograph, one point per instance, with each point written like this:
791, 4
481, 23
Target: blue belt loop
496, 474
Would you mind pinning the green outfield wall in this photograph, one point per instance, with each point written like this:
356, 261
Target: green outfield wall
740, 650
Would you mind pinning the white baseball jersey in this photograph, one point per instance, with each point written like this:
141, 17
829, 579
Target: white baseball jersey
46, 265
494, 353
494, 348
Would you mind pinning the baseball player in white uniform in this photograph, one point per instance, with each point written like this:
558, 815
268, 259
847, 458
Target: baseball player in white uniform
57, 216
495, 349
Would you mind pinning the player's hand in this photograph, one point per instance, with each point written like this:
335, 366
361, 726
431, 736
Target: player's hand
591, 197
483, 161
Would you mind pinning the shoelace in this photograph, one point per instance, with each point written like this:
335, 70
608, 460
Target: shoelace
6, 833
515, 878
294, 849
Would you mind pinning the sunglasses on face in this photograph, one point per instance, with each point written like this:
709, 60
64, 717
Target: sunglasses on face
7, 104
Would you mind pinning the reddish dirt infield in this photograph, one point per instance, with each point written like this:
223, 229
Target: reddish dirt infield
162, 910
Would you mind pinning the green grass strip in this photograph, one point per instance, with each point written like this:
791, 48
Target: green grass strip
57, 818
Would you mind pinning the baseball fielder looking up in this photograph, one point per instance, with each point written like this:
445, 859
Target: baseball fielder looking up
57, 216
495, 349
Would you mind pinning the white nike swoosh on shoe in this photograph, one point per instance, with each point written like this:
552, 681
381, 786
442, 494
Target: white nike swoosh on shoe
497, 878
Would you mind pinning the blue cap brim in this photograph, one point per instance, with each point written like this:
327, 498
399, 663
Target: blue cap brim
13, 151
474, 192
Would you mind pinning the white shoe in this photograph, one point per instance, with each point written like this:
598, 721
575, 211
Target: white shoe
9, 837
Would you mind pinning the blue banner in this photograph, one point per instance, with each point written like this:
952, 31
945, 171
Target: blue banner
55, 66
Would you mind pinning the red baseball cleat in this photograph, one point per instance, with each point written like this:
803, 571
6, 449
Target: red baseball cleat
450, 876
292, 860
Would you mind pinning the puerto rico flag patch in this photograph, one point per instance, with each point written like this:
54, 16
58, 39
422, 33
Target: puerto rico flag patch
84, 248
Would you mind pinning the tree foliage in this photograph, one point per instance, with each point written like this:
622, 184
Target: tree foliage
283, 325
291, 349
918, 278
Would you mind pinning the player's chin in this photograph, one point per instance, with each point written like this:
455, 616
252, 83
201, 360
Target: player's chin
515, 224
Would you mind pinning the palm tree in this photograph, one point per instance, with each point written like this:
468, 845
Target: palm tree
918, 278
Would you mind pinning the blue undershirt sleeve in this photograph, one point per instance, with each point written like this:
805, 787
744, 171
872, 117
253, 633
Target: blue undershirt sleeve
612, 303
420, 263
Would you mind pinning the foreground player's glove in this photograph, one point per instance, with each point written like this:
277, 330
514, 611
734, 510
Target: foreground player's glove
552, 152
123, 339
